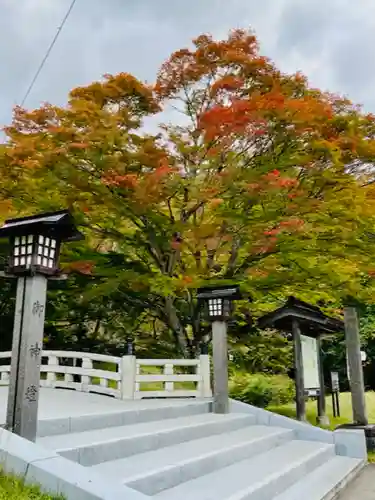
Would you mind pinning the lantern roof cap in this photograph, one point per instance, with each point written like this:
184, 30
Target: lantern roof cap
312, 321
219, 292
59, 224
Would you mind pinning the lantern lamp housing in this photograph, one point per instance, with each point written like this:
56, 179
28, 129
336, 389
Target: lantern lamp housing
36, 240
219, 300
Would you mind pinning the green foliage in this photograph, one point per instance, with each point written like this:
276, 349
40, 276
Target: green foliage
261, 390
260, 351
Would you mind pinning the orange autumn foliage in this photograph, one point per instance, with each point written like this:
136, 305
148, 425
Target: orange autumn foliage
216, 202
81, 267
126, 181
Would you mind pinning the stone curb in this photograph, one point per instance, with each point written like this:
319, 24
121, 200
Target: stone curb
56, 474
348, 443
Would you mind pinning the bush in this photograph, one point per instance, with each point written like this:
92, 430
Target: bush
261, 390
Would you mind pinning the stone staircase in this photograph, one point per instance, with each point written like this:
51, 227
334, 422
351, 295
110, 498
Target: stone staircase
177, 450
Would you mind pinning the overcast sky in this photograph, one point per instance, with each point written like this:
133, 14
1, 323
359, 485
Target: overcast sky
331, 41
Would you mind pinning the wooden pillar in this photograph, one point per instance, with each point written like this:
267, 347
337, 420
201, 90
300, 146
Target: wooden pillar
298, 370
353, 346
322, 417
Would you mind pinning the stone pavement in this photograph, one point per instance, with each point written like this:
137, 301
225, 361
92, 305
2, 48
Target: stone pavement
63, 403
362, 488
59, 403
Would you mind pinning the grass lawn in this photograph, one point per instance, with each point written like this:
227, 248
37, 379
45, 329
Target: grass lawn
147, 370
12, 488
346, 415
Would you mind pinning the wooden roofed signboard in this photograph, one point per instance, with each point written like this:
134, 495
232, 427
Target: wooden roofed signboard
308, 324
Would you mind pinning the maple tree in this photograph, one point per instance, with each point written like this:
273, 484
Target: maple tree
266, 182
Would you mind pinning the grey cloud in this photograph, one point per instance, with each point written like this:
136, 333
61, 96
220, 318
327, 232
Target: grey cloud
329, 40
332, 41
309, 27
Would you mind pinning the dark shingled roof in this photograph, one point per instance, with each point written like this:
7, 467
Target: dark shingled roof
312, 321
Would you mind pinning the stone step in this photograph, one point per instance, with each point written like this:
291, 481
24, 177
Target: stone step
130, 413
165, 468
94, 447
326, 481
259, 478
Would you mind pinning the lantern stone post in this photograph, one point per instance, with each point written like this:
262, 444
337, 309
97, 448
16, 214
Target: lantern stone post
35, 244
218, 299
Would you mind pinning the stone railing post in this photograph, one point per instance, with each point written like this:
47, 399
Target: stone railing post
86, 379
204, 370
168, 370
128, 374
51, 376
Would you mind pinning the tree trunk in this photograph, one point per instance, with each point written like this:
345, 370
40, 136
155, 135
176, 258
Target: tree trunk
175, 324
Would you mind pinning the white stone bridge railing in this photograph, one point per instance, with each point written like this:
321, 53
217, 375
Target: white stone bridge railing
124, 377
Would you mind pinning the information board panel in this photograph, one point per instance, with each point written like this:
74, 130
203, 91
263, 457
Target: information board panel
335, 381
310, 362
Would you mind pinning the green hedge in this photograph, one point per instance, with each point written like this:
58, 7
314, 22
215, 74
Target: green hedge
261, 390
